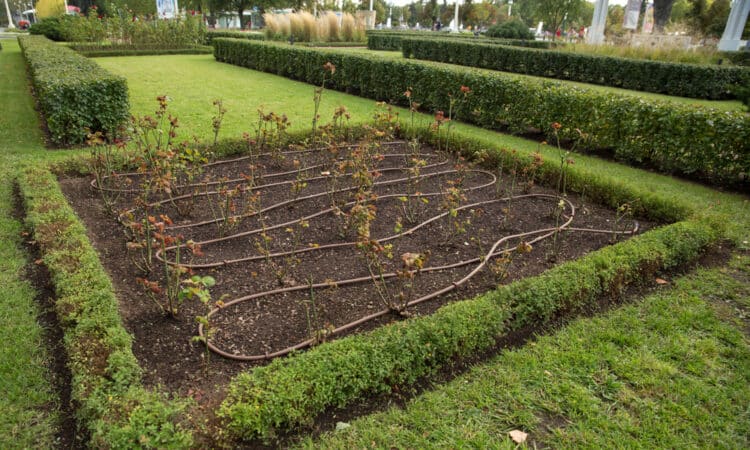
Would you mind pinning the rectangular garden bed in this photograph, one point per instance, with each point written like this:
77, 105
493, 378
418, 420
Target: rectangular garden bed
299, 245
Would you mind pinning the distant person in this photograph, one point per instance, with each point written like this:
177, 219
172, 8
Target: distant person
438, 25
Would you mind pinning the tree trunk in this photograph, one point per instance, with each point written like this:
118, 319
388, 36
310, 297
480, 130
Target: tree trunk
241, 10
662, 12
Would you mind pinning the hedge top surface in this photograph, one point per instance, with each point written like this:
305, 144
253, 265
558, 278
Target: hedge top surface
60, 64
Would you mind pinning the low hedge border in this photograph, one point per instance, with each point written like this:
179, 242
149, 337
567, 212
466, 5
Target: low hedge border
292, 391
211, 35
75, 95
678, 79
739, 58
671, 138
331, 44
107, 393
93, 50
391, 40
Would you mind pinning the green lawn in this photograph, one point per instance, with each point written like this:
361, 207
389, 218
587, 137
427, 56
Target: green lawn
672, 339
663, 373
28, 407
193, 82
724, 105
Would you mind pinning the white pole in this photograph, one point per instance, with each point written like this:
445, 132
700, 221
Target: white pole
510, 8
455, 19
598, 23
370, 5
10, 19
738, 15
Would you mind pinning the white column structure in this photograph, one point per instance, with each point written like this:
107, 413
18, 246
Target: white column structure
10, 19
455, 20
599, 22
731, 39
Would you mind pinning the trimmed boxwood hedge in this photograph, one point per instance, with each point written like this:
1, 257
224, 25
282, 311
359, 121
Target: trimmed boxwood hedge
91, 50
672, 138
211, 35
75, 95
679, 79
391, 40
111, 403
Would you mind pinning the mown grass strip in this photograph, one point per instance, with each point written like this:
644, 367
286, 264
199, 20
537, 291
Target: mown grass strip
28, 409
28, 402
663, 373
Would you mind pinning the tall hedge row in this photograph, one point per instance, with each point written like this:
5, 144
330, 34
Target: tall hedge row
679, 79
700, 142
75, 94
391, 40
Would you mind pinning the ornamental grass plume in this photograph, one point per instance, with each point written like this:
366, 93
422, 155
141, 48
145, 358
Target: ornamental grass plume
331, 22
322, 32
297, 27
309, 27
348, 28
273, 28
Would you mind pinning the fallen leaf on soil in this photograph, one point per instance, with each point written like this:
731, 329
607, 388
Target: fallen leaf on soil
38, 262
518, 436
661, 281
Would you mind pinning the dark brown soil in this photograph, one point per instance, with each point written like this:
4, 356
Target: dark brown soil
273, 322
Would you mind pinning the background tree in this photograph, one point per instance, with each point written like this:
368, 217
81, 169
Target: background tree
680, 12
718, 14
551, 12
615, 18
380, 8
709, 18
662, 12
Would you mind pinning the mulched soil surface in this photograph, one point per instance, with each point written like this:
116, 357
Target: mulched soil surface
164, 345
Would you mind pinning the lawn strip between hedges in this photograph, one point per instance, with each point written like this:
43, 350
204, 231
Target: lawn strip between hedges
391, 40
699, 142
111, 402
28, 404
722, 105
667, 372
29, 408
678, 79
